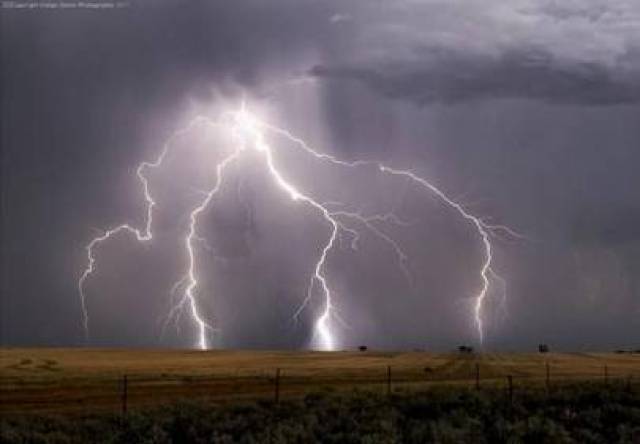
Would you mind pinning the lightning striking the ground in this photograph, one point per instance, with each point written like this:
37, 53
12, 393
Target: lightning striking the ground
143, 235
249, 133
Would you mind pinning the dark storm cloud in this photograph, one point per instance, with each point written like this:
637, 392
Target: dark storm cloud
571, 52
613, 227
448, 77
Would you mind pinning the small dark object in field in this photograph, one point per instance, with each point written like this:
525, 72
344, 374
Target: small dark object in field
362, 348
465, 349
543, 348
428, 370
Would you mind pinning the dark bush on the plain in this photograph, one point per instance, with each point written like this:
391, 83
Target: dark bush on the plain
581, 413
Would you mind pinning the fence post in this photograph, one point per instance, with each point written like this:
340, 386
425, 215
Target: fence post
606, 374
388, 380
277, 386
125, 388
548, 375
510, 382
477, 376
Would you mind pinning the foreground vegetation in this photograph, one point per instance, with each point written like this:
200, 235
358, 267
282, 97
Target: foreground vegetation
575, 413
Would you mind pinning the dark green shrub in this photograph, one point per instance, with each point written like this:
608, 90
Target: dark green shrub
582, 413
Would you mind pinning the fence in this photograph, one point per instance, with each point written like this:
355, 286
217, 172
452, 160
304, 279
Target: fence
111, 392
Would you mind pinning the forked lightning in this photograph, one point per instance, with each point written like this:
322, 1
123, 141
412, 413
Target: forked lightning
249, 134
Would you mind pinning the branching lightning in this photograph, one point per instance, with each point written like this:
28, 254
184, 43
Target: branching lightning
144, 235
249, 133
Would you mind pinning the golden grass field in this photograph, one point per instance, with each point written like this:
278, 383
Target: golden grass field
87, 380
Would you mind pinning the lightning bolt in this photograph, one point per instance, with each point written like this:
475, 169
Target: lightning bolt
484, 230
251, 126
141, 235
192, 236
249, 133
370, 223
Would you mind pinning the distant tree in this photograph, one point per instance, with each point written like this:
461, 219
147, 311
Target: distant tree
362, 348
466, 349
543, 348
630, 351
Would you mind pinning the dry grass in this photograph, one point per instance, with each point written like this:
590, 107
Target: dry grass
82, 380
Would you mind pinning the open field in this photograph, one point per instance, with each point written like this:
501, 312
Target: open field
87, 380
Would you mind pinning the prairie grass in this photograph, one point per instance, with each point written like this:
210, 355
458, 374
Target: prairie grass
80, 381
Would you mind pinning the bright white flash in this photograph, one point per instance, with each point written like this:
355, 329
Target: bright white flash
249, 134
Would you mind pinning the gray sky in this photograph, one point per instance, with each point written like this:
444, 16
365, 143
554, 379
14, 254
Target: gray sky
528, 112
